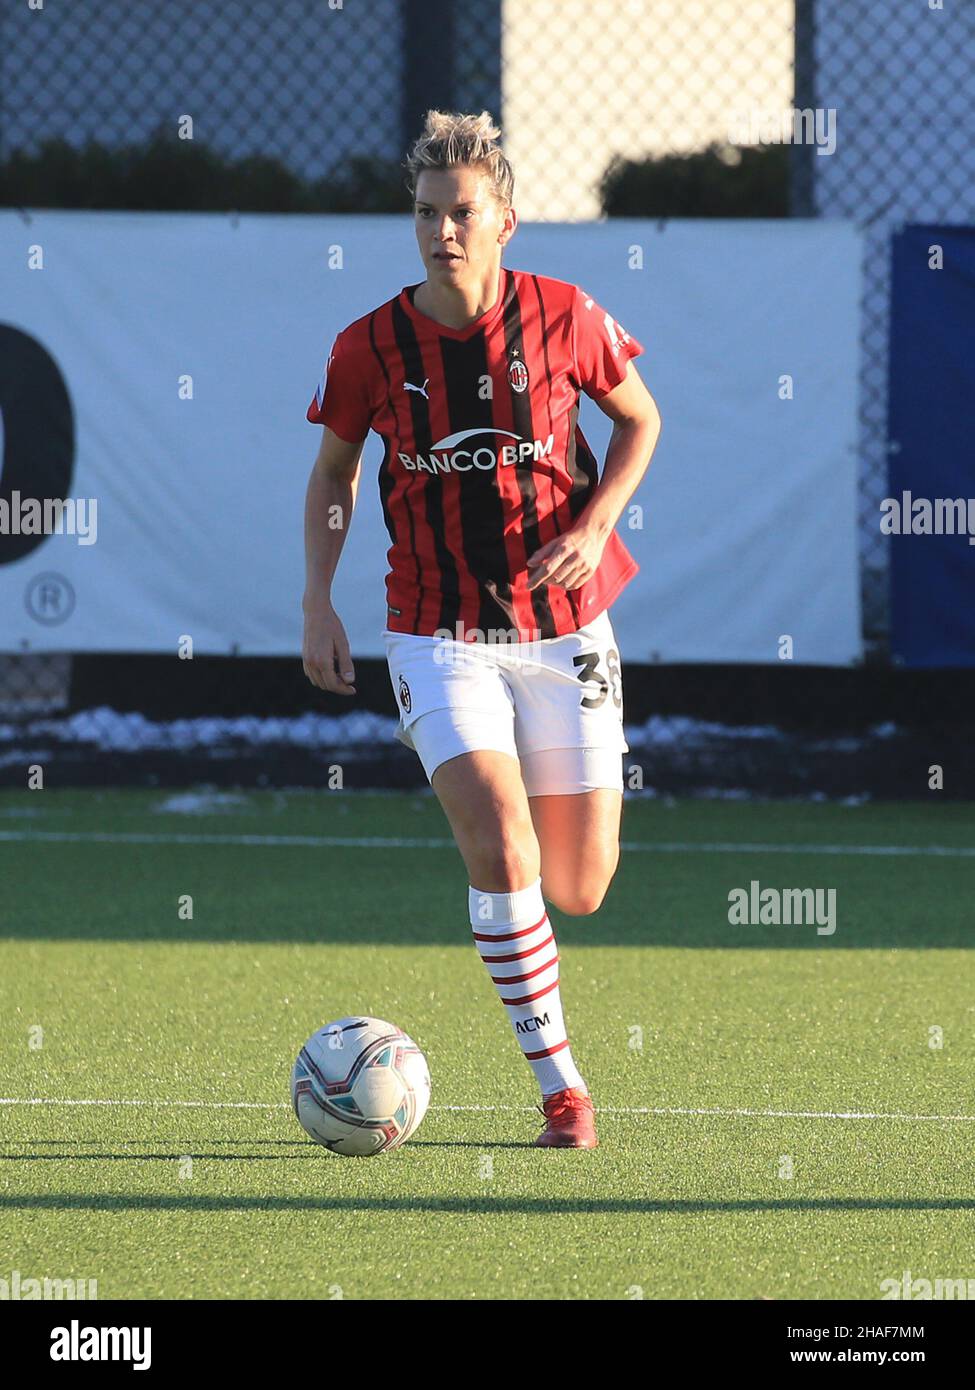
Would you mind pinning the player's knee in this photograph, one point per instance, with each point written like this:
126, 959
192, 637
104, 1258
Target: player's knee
580, 902
503, 863
583, 897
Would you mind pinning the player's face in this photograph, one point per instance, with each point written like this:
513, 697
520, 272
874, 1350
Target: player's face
458, 223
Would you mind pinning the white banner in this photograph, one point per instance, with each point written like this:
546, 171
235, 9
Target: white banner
189, 346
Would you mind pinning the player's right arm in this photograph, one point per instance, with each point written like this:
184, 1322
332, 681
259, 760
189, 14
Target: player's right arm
329, 503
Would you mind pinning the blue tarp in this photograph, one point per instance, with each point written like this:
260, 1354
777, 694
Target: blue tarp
931, 428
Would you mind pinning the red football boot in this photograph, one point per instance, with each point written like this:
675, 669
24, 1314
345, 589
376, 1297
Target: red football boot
569, 1121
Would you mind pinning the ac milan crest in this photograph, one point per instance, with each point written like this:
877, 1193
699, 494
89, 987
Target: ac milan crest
518, 376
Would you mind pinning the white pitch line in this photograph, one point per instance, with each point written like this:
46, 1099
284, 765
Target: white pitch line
404, 842
107, 837
179, 1104
480, 1109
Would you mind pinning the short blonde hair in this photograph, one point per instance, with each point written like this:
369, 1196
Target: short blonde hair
451, 138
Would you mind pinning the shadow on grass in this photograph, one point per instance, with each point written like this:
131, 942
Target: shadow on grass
550, 1206
309, 1151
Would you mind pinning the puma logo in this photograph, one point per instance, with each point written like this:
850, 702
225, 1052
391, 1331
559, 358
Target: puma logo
408, 386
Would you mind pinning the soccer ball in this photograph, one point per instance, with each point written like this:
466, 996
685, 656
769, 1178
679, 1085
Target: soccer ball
360, 1086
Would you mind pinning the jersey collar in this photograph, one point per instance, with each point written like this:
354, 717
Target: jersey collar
460, 334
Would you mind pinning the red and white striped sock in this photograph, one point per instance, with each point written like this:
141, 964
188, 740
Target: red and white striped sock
516, 942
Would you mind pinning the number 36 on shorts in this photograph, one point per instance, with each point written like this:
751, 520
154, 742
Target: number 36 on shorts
611, 683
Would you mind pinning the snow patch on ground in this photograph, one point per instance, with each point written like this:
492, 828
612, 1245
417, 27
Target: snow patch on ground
112, 732
203, 802
661, 730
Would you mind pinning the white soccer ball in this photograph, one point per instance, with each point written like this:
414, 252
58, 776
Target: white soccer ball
360, 1086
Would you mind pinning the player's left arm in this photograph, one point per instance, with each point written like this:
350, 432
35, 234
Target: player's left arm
572, 558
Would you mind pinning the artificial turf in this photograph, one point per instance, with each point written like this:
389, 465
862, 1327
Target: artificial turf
671, 1009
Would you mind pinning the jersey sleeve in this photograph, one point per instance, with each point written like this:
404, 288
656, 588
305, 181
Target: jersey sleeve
602, 346
341, 400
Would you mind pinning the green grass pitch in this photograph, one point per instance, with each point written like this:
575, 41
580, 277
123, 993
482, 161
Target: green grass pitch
107, 994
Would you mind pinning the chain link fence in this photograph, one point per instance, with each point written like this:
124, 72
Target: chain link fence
607, 107
901, 78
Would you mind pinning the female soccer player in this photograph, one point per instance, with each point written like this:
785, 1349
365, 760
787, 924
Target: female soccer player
503, 564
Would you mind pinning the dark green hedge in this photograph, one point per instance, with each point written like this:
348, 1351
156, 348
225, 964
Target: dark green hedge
730, 181
165, 173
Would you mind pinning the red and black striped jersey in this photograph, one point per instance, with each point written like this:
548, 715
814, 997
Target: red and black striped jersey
484, 459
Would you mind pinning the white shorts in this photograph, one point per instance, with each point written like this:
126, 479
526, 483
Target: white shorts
555, 704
